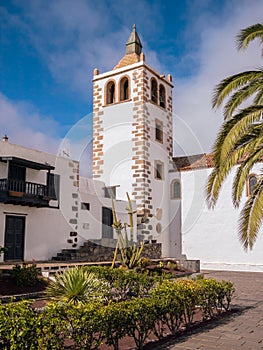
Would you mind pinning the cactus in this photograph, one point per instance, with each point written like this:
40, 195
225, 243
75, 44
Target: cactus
130, 252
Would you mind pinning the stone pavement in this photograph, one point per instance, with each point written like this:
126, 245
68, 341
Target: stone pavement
243, 330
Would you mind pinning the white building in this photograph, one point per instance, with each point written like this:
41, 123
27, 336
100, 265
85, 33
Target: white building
46, 207
212, 235
133, 147
133, 143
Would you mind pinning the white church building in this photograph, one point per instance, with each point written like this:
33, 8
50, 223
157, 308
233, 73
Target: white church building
132, 152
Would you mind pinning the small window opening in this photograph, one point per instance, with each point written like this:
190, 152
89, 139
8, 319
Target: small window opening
154, 90
176, 190
110, 93
162, 96
159, 173
85, 206
124, 89
159, 131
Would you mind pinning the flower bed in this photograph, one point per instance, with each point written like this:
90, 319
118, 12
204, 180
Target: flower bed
166, 307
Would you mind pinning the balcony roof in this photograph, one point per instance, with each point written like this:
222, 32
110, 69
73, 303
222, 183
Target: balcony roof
27, 163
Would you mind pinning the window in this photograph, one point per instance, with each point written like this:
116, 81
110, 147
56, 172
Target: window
110, 93
124, 89
176, 189
154, 90
85, 206
159, 170
159, 131
53, 181
110, 192
162, 96
251, 183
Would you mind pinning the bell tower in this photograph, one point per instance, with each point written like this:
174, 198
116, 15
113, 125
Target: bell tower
133, 139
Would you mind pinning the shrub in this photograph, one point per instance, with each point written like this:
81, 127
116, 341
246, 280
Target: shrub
25, 275
141, 319
53, 327
188, 294
167, 307
76, 285
115, 323
214, 296
86, 325
124, 284
18, 326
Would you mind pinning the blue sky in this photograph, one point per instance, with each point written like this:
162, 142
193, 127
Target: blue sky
50, 48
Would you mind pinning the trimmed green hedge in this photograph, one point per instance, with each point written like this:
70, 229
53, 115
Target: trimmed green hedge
168, 304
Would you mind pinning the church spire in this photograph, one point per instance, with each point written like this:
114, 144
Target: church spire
133, 44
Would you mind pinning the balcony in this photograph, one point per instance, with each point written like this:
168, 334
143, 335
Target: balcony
25, 193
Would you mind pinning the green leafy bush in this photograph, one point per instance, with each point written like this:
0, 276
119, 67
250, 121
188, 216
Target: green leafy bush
124, 284
168, 306
25, 275
115, 323
53, 327
141, 319
86, 325
18, 326
89, 323
214, 296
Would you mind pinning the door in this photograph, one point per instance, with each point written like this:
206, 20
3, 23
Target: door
107, 221
14, 237
17, 178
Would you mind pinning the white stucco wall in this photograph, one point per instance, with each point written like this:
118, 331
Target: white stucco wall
48, 230
212, 235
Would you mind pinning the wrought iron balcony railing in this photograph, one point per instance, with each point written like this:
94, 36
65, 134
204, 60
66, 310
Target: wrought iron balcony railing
27, 188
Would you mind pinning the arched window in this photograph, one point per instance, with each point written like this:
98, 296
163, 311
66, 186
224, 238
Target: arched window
162, 96
175, 189
124, 89
110, 93
154, 90
251, 183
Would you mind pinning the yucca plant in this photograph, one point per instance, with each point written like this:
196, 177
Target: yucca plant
75, 285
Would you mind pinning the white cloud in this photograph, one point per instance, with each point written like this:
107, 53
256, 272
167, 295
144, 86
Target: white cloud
25, 126
74, 37
218, 58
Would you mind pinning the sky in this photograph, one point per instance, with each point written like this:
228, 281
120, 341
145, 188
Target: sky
49, 49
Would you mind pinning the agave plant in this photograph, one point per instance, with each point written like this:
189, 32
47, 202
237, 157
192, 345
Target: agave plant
130, 251
76, 285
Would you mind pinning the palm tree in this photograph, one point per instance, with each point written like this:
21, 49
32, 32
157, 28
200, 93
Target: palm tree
240, 140
75, 285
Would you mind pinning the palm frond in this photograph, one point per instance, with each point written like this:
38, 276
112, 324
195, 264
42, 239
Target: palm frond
212, 189
244, 119
226, 152
242, 174
241, 95
251, 217
249, 34
258, 100
232, 83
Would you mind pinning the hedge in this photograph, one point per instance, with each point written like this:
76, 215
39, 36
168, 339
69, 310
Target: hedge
168, 304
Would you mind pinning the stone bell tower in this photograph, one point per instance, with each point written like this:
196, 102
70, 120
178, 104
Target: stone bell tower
132, 140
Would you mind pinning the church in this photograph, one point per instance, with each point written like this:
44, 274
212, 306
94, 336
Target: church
133, 149
43, 196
